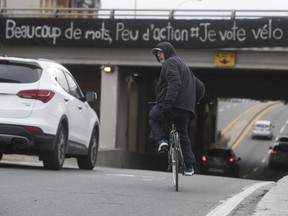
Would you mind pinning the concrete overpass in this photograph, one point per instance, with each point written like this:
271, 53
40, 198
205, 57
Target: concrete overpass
256, 70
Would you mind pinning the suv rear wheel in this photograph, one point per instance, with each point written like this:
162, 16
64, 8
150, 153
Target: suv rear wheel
55, 160
88, 161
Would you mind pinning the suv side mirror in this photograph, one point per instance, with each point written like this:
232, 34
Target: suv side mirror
91, 96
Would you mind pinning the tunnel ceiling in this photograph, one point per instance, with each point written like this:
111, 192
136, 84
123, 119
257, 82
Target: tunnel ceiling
253, 84
232, 83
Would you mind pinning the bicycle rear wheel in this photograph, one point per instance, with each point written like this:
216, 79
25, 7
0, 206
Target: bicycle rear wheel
175, 159
175, 168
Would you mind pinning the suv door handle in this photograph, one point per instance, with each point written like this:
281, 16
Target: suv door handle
66, 100
80, 107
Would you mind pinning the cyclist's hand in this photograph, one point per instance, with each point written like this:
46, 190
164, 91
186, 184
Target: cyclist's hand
167, 111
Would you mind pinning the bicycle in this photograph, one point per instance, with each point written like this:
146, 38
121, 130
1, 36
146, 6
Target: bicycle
175, 156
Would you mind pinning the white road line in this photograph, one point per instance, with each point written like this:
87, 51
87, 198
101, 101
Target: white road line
225, 208
282, 129
122, 175
139, 177
263, 160
245, 176
286, 122
255, 169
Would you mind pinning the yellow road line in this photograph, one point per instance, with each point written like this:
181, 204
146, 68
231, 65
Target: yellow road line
247, 129
224, 131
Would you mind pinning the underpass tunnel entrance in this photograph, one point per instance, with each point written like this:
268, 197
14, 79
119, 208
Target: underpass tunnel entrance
138, 89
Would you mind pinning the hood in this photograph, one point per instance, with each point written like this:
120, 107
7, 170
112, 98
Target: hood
166, 47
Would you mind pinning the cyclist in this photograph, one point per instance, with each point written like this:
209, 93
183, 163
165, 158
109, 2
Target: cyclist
176, 100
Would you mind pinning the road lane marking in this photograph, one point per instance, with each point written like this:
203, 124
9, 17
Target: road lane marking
263, 160
255, 169
282, 129
122, 175
250, 124
139, 177
226, 207
245, 176
232, 123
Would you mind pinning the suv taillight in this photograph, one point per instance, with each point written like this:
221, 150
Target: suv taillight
42, 95
231, 160
204, 158
33, 129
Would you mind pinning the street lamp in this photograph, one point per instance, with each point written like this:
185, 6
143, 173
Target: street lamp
183, 2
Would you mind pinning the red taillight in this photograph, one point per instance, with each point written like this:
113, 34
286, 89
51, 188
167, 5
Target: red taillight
273, 152
232, 160
33, 129
42, 95
204, 158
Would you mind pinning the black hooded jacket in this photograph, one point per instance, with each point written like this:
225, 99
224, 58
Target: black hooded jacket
177, 83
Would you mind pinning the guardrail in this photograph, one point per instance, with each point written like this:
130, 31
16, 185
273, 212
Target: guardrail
140, 13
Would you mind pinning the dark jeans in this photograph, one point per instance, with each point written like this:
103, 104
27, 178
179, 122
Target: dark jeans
182, 120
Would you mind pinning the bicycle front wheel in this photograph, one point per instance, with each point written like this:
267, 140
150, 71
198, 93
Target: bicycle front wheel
175, 168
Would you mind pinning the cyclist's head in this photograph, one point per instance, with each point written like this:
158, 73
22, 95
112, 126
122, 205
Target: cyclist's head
166, 48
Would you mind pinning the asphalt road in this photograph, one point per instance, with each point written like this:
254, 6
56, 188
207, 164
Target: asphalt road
229, 110
29, 190
254, 152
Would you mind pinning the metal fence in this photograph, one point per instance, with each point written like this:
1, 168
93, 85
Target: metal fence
139, 14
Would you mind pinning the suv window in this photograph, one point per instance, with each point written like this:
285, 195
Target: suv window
59, 76
219, 153
281, 148
19, 73
74, 88
262, 126
283, 139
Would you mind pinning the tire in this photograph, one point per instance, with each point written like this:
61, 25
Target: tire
88, 161
175, 161
1, 155
55, 160
175, 169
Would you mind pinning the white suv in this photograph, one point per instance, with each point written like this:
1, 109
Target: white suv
44, 112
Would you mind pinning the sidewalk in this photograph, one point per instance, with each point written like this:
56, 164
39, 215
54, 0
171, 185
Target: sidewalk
275, 201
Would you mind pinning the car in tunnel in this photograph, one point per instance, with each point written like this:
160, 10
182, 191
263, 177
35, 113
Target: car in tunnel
220, 161
278, 153
44, 112
282, 139
262, 129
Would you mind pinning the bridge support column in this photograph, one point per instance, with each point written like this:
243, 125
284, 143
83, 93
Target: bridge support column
108, 109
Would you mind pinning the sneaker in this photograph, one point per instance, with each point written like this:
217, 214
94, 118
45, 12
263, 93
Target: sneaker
189, 171
163, 146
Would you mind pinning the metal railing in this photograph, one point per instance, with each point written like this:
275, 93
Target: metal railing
140, 13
